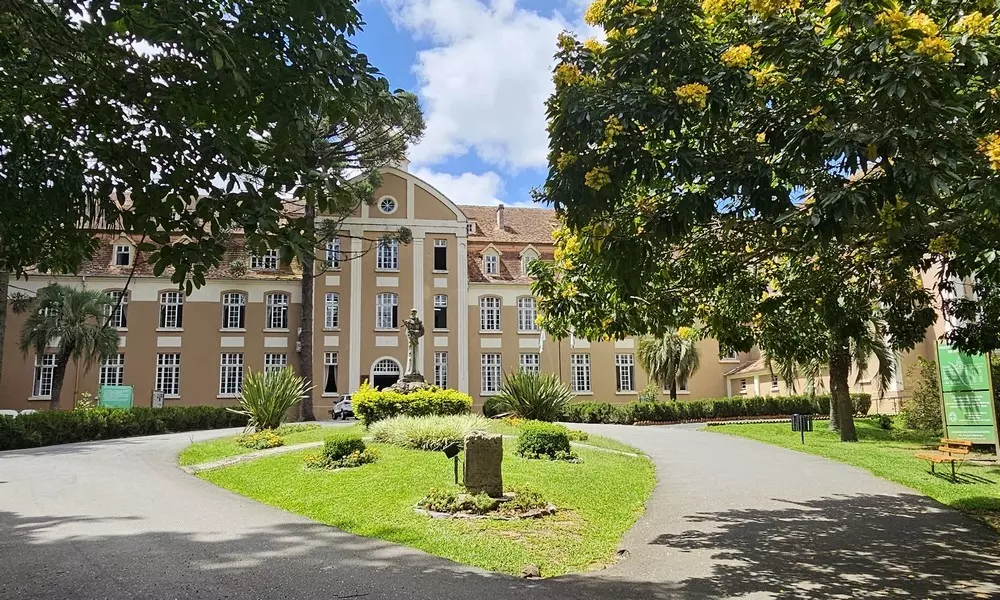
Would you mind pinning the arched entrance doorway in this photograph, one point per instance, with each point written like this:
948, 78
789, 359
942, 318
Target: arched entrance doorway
385, 372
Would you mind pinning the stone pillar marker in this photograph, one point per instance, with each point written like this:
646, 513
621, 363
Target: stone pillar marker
483, 458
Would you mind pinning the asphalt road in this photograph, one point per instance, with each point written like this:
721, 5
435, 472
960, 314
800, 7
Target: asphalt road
729, 518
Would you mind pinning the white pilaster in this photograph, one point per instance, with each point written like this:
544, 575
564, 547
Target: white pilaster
756, 385
463, 313
354, 336
410, 198
418, 284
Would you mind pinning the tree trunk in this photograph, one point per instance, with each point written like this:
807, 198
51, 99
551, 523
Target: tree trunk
58, 375
840, 391
834, 422
306, 318
4, 290
673, 389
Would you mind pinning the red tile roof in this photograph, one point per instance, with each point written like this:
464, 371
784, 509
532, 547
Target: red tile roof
527, 225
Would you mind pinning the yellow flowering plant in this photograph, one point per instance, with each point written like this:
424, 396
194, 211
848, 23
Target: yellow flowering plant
694, 94
737, 56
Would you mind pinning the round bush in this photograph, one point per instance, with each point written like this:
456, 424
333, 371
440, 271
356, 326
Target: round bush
543, 440
342, 445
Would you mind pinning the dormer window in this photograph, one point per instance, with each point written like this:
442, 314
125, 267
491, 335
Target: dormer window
265, 262
471, 227
123, 255
527, 258
491, 264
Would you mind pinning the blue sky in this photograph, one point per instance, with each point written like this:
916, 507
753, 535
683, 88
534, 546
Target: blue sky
482, 71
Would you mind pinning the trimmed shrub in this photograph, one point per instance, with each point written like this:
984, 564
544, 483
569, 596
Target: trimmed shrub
698, 410
342, 445
922, 410
371, 405
427, 433
543, 440
48, 428
260, 440
535, 396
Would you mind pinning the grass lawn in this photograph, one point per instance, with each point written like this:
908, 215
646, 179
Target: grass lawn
889, 454
599, 500
225, 447
610, 444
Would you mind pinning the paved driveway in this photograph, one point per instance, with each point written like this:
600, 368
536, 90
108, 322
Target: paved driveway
730, 518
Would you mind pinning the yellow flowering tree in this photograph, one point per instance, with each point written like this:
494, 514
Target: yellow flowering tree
838, 130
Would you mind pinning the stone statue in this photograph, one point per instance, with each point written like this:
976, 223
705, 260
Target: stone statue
414, 331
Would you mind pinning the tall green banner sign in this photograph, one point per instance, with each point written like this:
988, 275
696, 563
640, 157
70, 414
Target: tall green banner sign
967, 394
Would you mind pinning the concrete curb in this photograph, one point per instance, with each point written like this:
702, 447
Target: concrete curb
239, 458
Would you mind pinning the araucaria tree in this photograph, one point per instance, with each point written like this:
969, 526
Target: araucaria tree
76, 321
805, 160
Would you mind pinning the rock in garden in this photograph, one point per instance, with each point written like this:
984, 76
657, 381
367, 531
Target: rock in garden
531, 571
483, 458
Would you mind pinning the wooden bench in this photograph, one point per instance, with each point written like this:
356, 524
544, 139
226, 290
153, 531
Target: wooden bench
949, 451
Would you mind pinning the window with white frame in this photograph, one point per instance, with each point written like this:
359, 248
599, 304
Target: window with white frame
527, 258
118, 309
168, 373
530, 362
491, 264
682, 386
331, 310
440, 311
743, 386
491, 373
387, 255
330, 363
171, 310
45, 367
234, 310
386, 311
579, 372
441, 369
265, 262
387, 204
123, 255
441, 255
470, 228
625, 372
275, 361
276, 306
112, 370
333, 253
774, 383
489, 313
729, 355
231, 373
527, 312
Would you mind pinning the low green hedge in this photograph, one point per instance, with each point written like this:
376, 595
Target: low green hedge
712, 408
371, 405
48, 428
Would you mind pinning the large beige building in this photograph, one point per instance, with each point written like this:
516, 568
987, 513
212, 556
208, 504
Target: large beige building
464, 273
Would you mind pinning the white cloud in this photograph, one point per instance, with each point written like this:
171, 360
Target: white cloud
484, 83
467, 188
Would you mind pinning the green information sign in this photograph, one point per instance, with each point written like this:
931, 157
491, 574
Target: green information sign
962, 372
967, 395
115, 396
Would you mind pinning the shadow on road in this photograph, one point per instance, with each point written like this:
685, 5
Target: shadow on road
846, 546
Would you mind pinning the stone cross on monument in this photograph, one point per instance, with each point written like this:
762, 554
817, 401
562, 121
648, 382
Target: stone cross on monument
414, 331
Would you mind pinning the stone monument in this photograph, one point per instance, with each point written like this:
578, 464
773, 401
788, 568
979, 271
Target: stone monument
483, 459
414, 331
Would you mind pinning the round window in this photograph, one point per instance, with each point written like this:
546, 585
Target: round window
387, 205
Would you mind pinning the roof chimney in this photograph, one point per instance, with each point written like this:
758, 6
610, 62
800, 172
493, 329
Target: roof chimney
500, 217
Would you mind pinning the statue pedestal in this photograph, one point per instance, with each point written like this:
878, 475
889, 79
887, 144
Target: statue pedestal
413, 378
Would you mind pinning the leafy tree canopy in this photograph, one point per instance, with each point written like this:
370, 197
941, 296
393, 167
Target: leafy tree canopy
184, 116
710, 155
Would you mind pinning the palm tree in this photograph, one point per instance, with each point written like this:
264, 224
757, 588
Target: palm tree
76, 321
670, 359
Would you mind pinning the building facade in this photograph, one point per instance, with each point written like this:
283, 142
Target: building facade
464, 273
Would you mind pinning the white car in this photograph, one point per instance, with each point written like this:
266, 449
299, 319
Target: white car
342, 409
